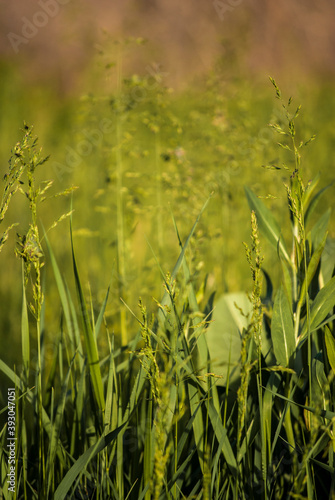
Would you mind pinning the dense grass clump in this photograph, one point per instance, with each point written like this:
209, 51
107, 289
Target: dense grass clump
206, 399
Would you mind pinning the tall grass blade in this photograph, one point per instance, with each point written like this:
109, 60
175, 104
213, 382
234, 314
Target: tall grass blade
25, 332
320, 229
329, 415
83, 461
222, 437
56, 429
166, 297
282, 329
312, 204
90, 338
330, 346
267, 223
311, 270
101, 315
322, 305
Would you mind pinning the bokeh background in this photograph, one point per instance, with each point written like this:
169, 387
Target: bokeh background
195, 103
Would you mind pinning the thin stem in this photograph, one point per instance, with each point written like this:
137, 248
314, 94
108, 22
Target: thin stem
119, 206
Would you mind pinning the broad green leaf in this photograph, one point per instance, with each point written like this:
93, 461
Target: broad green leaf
287, 281
310, 188
267, 223
330, 346
320, 229
311, 270
266, 413
322, 305
282, 329
313, 203
328, 260
319, 384
224, 335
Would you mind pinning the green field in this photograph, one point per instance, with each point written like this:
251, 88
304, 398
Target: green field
154, 355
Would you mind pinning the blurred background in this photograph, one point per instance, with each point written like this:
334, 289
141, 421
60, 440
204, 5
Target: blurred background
172, 99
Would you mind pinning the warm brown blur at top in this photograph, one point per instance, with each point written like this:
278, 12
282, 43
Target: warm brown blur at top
54, 40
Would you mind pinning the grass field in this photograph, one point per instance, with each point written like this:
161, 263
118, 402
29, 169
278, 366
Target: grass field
146, 352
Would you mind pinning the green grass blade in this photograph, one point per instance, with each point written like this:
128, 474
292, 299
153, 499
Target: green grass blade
310, 188
322, 305
83, 461
148, 458
222, 436
61, 290
90, 339
101, 315
56, 429
330, 346
313, 203
311, 270
110, 386
166, 297
76, 331
267, 223
320, 229
329, 415
25, 332
282, 329
198, 422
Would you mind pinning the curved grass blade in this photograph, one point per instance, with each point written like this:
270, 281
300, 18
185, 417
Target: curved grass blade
90, 338
322, 305
311, 270
166, 298
320, 229
267, 223
329, 415
31, 399
101, 315
222, 437
330, 346
83, 461
313, 203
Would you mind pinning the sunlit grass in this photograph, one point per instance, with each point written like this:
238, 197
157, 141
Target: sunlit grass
161, 407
